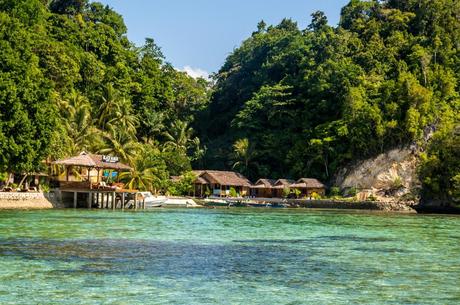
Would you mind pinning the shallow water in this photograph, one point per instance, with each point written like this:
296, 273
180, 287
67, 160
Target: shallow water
236, 256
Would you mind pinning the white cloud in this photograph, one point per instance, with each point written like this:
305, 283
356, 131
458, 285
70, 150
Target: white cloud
196, 72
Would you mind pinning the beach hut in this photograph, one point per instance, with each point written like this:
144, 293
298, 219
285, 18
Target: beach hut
219, 183
263, 188
280, 185
91, 167
201, 187
308, 186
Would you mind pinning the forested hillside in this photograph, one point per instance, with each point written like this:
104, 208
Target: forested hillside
289, 102
71, 81
294, 102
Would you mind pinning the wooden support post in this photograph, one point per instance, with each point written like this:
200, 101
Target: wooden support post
122, 201
135, 202
90, 202
113, 201
97, 198
102, 201
143, 203
75, 195
89, 178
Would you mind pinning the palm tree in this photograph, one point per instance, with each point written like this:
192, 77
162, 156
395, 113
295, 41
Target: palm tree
109, 104
119, 143
76, 111
123, 117
115, 111
140, 177
243, 155
198, 151
148, 171
179, 136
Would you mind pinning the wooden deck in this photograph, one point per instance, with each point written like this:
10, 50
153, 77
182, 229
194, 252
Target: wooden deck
105, 198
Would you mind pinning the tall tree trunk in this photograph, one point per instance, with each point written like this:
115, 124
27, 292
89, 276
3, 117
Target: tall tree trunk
22, 181
10, 177
326, 166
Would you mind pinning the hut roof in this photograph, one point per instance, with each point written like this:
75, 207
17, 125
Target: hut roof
226, 178
93, 161
200, 180
308, 183
198, 172
264, 183
282, 183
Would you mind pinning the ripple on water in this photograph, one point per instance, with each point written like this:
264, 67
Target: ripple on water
219, 257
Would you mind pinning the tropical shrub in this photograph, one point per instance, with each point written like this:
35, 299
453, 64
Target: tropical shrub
286, 192
334, 191
233, 193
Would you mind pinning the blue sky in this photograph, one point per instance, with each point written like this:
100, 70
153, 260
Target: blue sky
197, 35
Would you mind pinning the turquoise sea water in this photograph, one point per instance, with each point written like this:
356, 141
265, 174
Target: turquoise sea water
236, 256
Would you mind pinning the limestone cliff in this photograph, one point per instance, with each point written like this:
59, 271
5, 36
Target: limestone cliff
391, 176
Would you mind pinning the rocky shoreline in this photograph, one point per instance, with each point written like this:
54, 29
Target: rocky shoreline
402, 207
27, 201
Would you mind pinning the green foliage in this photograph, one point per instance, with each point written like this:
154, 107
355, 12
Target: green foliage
67, 6
288, 102
149, 172
334, 191
71, 82
183, 187
45, 188
233, 193
440, 166
312, 100
352, 192
396, 184
296, 192
3, 177
243, 155
315, 196
371, 198
27, 117
208, 191
286, 192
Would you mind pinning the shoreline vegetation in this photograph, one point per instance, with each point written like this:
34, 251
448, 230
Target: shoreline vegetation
37, 201
288, 102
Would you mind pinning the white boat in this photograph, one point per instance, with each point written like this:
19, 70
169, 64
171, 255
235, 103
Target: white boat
150, 200
153, 201
178, 202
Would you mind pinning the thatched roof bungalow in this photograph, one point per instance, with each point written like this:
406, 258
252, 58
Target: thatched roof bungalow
308, 186
218, 183
280, 185
283, 183
91, 166
263, 188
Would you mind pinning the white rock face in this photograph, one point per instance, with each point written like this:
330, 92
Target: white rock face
392, 174
15, 200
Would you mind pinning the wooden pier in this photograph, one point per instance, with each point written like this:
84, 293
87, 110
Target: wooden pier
105, 199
